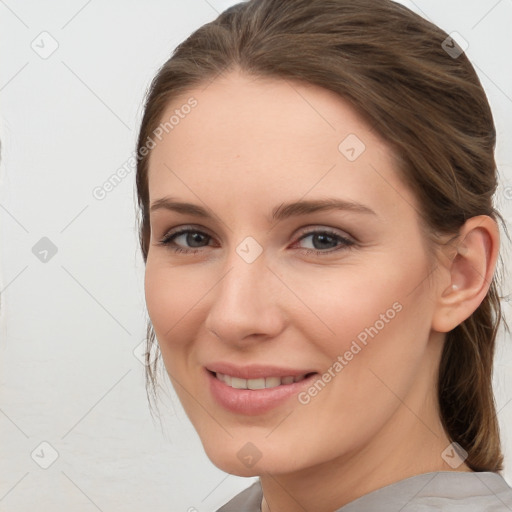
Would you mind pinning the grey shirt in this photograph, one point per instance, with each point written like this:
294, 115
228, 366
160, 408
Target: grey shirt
446, 491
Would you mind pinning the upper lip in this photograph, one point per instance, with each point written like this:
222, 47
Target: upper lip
255, 371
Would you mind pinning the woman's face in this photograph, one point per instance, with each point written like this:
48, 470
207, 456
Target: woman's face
269, 283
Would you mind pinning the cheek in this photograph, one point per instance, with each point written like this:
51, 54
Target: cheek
381, 324
170, 300
374, 328
160, 296
358, 302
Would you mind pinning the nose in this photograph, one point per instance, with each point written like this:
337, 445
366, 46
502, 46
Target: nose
245, 304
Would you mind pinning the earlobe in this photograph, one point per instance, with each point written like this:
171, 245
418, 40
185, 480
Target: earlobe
469, 274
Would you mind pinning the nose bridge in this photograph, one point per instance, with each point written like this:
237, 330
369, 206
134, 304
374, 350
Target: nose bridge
243, 287
242, 303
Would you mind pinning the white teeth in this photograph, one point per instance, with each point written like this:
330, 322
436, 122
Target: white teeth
273, 382
261, 383
256, 383
238, 383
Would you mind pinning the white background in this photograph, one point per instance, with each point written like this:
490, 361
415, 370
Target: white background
69, 326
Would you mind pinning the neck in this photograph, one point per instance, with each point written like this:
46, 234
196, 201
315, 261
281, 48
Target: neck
327, 488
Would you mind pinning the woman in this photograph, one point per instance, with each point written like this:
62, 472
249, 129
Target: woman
315, 181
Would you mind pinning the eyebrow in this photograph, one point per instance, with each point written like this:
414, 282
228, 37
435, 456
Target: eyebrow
279, 213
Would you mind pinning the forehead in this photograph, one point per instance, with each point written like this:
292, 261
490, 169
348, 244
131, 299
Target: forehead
266, 138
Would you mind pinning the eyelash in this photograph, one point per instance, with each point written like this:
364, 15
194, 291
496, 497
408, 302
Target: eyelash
345, 244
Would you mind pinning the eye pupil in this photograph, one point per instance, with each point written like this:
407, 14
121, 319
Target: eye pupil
323, 238
195, 239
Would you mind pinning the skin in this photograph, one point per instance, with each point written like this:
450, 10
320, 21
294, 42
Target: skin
250, 145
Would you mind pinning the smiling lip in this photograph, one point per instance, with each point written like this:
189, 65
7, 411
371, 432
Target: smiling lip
254, 401
256, 371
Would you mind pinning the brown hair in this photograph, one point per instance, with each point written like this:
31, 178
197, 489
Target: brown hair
396, 69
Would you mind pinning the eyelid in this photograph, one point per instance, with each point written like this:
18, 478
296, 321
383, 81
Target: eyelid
184, 228
319, 228
305, 230
345, 242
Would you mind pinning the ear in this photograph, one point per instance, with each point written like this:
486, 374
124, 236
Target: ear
468, 278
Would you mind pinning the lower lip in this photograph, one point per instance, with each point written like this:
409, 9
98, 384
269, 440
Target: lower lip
252, 402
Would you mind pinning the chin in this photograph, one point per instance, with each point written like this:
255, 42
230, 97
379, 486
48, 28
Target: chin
228, 462
246, 460
236, 469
